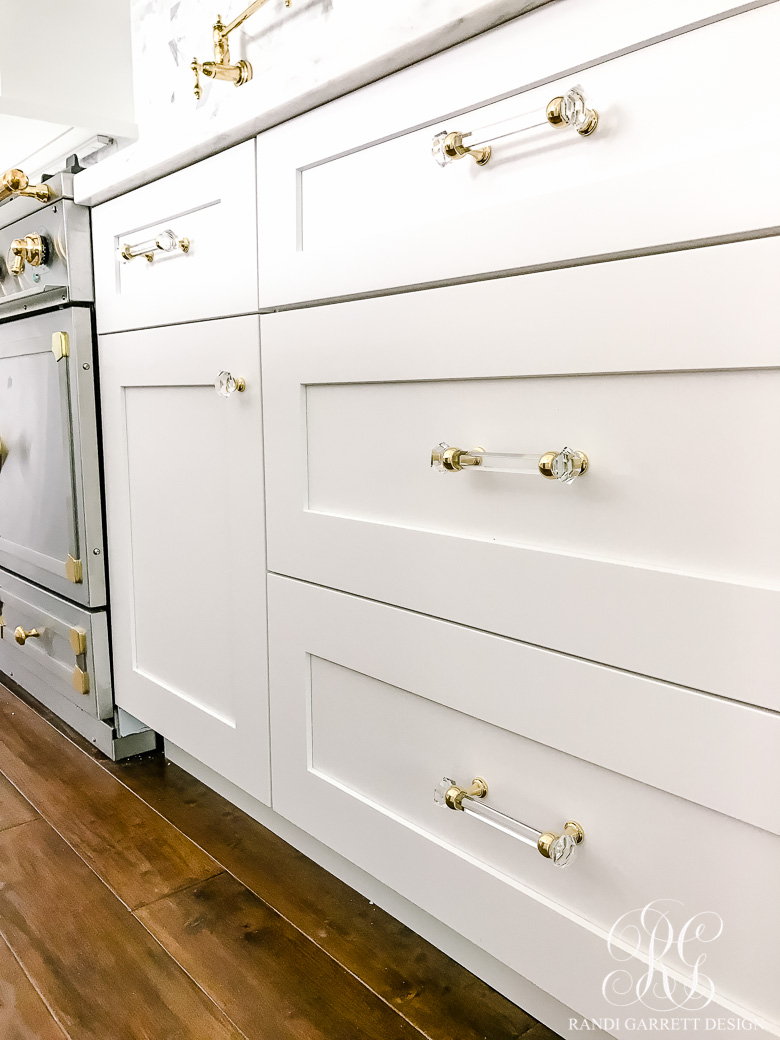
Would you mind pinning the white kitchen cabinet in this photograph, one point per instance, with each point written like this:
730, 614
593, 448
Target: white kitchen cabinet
372, 706
661, 559
184, 503
351, 200
200, 257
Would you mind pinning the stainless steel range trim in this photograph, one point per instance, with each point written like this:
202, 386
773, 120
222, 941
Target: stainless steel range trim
54, 641
67, 266
60, 187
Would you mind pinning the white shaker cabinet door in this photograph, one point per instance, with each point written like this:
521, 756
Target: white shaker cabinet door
184, 500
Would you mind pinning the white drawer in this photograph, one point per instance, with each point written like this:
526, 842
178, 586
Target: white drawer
210, 210
687, 147
69, 655
662, 558
372, 705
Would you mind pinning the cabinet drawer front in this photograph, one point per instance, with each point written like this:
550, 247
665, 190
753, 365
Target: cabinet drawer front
210, 210
362, 734
51, 643
51, 527
641, 562
184, 507
351, 200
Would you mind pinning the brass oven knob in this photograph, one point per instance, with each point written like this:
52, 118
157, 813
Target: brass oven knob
21, 636
31, 249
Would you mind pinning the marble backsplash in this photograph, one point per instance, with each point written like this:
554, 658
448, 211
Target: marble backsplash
293, 49
302, 55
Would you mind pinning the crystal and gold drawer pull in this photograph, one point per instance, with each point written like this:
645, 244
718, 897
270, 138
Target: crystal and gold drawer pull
564, 465
21, 636
165, 242
559, 848
570, 110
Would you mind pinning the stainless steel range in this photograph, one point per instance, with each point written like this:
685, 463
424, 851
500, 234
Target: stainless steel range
54, 640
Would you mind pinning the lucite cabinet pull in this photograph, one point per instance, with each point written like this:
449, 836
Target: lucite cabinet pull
564, 465
569, 110
226, 384
165, 242
558, 848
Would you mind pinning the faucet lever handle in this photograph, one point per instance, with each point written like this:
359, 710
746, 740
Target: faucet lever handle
196, 68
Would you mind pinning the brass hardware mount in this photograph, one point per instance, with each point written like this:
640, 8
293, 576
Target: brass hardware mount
78, 640
564, 465
21, 636
14, 183
60, 345
74, 570
559, 848
546, 842
164, 242
220, 68
568, 110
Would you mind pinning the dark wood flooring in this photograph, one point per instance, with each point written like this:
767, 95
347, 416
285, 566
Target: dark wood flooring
137, 904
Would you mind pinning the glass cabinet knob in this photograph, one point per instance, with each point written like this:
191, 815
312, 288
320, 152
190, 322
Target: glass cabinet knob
226, 384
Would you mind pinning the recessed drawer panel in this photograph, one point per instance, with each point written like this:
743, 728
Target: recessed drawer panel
181, 248
351, 199
48, 643
372, 706
660, 557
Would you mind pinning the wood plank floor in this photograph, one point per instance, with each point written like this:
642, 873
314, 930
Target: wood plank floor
136, 904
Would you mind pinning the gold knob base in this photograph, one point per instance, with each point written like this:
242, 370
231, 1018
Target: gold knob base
454, 795
545, 463
554, 113
454, 148
571, 827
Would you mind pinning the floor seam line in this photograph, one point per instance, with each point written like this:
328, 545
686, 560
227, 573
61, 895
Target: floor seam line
44, 1001
177, 892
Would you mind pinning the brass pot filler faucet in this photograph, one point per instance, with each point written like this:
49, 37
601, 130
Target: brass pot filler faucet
221, 68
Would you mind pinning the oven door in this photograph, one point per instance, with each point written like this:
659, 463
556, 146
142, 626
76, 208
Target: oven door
50, 511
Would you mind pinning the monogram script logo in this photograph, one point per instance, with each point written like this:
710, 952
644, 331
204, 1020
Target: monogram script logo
656, 931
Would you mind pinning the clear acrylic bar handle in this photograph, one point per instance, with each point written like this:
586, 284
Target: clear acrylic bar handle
165, 242
570, 110
558, 848
564, 465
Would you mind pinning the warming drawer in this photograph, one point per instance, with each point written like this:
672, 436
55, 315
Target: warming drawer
49, 645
